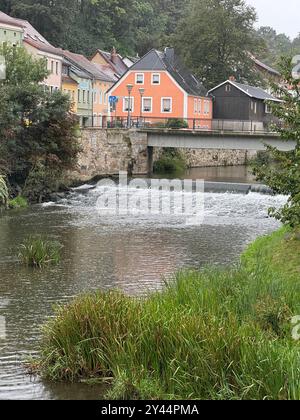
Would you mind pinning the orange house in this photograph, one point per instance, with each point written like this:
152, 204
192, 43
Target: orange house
162, 89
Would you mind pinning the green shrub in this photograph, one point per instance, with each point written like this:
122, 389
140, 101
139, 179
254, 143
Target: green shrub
37, 252
170, 161
18, 203
177, 123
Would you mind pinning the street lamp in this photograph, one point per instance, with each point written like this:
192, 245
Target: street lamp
129, 89
142, 93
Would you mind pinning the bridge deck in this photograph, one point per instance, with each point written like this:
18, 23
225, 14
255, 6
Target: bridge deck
189, 139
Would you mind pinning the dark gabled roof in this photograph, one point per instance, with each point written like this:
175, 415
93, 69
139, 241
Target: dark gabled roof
158, 61
251, 91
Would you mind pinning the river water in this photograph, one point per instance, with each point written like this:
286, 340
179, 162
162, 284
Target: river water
131, 253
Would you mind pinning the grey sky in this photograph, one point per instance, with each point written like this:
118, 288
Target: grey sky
282, 15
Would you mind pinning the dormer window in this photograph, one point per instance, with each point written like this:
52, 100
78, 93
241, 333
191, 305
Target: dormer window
139, 78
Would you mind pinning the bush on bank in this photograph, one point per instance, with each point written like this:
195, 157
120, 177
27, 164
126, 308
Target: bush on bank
215, 334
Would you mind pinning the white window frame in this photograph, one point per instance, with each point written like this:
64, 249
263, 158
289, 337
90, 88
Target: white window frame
171, 105
195, 106
152, 79
206, 107
151, 99
132, 103
228, 88
136, 79
268, 109
254, 107
199, 106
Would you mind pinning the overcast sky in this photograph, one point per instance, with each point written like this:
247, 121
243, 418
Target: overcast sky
282, 15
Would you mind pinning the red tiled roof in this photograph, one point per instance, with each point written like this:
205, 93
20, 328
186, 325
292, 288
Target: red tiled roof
9, 20
119, 67
86, 65
44, 47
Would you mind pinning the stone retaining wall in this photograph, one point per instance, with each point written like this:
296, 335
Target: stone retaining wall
106, 152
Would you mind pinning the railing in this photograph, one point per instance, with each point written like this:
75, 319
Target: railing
195, 124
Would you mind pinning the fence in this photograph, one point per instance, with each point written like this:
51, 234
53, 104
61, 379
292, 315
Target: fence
196, 124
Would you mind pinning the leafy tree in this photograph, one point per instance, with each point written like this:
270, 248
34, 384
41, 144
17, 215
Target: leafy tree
36, 128
284, 176
276, 45
215, 38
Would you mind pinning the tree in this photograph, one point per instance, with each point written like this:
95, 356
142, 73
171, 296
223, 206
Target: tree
37, 132
276, 46
284, 176
215, 38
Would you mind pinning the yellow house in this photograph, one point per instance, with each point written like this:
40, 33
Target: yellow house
70, 86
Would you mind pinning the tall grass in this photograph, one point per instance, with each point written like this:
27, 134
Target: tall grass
216, 334
3, 192
38, 251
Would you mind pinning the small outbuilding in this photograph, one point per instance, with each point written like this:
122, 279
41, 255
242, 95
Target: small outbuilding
241, 107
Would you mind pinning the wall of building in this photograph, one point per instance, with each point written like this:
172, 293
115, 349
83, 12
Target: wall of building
10, 35
166, 89
54, 66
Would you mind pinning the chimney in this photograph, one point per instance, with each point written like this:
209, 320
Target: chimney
113, 55
232, 78
170, 55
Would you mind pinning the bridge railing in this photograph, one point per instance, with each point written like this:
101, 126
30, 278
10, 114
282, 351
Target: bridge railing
196, 124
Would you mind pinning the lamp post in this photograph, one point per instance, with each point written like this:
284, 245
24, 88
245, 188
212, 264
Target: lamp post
142, 93
129, 89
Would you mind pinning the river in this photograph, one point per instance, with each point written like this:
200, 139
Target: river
131, 253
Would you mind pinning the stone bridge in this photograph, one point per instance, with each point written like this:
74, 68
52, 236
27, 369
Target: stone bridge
108, 151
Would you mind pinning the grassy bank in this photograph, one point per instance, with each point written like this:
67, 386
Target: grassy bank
216, 334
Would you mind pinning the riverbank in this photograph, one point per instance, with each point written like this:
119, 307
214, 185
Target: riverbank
212, 334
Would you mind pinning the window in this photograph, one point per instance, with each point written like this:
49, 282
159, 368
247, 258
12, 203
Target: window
100, 97
105, 98
156, 79
95, 96
195, 106
57, 67
88, 97
206, 107
126, 104
268, 109
83, 96
139, 78
228, 88
199, 106
166, 104
79, 95
254, 107
52, 67
147, 104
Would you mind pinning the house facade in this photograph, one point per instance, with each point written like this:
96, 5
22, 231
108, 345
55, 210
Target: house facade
54, 61
162, 89
11, 30
238, 106
93, 82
